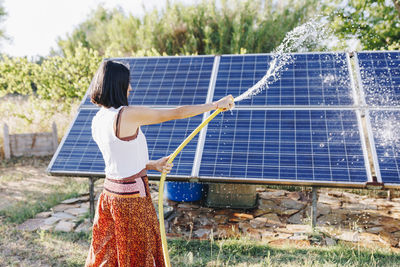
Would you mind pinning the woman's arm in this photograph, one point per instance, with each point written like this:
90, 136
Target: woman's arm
145, 116
160, 165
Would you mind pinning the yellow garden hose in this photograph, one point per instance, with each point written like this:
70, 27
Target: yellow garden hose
162, 180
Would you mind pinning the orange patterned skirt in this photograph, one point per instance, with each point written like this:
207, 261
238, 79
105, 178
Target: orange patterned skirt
125, 227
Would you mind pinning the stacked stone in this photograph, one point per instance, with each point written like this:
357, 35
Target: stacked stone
281, 217
69, 216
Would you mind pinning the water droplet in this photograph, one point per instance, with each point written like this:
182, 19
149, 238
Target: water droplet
311, 32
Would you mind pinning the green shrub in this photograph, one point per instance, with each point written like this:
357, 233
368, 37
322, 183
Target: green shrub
59, 78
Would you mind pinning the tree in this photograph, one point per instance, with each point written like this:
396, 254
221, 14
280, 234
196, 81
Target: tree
16, 76
59, 78
375, 23
3, 15
254, 26
66, 77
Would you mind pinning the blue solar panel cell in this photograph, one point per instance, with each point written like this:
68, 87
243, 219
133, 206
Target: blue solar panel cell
380, 77
311, 79
80, 155
168, 81
386, 133
164, 138
296, 145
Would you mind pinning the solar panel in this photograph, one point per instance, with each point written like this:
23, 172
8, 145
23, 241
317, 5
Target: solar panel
311, 146
168, 80
80, 155
386, 143
380, 77
304, 129
320, 79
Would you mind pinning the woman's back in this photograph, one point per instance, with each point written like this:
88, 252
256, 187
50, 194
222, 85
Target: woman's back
122, 158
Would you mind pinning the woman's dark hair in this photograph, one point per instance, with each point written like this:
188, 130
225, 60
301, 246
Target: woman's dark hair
110, 85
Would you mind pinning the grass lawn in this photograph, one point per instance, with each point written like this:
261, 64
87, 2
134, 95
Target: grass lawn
41, 248
249, 253
69, 249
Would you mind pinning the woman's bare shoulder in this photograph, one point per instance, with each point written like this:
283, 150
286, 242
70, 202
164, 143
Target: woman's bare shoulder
146, 115
135, 108
138, 114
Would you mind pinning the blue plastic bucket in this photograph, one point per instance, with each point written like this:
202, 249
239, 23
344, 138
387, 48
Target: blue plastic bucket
183, 191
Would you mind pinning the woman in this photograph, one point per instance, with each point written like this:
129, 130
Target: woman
125, 228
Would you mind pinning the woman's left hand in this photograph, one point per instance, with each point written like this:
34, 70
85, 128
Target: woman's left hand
162, 165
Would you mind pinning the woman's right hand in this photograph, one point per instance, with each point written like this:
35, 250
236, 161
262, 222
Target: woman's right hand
225, 103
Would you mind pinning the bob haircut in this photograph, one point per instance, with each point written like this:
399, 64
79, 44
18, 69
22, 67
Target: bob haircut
110, 85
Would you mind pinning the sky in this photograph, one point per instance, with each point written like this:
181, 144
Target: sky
34, 25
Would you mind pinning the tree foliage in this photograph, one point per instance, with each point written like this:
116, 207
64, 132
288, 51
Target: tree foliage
375, 23
253, 25
234, 27
66, 77
16, 76
231, 27
3, 15
58, 77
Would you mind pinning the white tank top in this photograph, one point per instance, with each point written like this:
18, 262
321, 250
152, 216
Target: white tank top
122, 158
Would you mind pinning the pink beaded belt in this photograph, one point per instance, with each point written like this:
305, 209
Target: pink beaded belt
132, 186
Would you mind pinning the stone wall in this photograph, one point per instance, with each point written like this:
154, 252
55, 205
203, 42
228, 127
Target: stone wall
281, 218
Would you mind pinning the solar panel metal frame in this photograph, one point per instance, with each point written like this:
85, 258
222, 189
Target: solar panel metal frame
203, 132
371, 140
202, 136
361, 99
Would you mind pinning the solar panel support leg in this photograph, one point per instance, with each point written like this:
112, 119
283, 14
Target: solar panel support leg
314, 207
91, 197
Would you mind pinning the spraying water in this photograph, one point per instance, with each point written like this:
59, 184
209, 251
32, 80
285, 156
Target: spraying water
380, 91
386, 127
311, 32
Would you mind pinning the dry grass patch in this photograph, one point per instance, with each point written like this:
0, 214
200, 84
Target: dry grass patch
29, 114
19, 248
26, 189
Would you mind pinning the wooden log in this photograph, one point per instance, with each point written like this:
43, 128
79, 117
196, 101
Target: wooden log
55, 137
390, 195
7, 152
